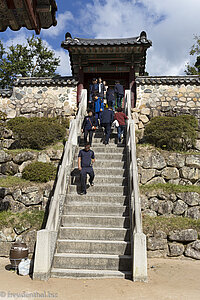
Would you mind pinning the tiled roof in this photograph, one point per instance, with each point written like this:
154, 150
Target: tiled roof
168, 80
33, 15
43, 81
142, 39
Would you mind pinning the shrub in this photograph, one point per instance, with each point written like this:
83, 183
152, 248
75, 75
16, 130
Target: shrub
172, 133
36, 133
39, 172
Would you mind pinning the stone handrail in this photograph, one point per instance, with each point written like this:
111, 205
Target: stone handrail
138, 239
46, 238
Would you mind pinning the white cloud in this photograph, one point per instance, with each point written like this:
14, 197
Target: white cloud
62, 21
170, 24
64, 69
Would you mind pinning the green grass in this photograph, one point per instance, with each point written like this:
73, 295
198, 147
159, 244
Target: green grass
170, 188
167, 224
20, 220
11, 181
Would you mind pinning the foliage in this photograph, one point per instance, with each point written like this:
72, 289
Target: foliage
195, 50
13, 181
170, 188
167, 224
39, 172
29, 219
172, 133
32, 59
36, 133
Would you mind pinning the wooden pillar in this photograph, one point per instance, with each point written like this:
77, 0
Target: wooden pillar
80, 85
132, 86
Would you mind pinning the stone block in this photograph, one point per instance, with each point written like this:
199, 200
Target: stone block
147, 174
153, 160
145, 111
179, 207
193, 161
9, 168
144, 119
156, 180
191, 198
154, 243
170, 173
24, 156
175, 249
186, 235
194, 212
176, 160
43, 157
192, 174
23, 165
193, 250
154, 204
165, 208
4, 157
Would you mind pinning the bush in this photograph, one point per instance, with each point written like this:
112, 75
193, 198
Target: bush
39, 172
36, 133
172, 133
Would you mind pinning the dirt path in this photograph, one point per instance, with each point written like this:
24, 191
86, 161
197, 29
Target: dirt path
169, 279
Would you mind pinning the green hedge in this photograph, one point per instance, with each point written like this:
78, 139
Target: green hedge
172, 133
39, 172
37, 133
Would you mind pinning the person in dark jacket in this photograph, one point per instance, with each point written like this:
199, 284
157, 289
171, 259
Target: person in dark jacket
101, 88
88, 126
92, 88
121, 118
86, 159
98, 107
106, 122
110, 96
119, 91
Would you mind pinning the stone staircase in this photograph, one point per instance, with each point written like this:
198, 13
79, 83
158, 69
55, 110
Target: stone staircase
94, 235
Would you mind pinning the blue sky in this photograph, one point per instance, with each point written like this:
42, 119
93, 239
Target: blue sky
170, 24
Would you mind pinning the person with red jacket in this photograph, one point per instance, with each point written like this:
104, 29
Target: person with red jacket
121, 118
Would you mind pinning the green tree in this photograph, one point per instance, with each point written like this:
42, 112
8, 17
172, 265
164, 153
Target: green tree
34, 59
195, 50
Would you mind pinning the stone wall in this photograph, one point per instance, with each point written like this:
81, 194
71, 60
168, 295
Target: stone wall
40, 97
166, 96
167, 167
18, 200
178, 243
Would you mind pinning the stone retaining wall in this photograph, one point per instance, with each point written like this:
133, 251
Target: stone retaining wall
40, 97
167, 167
166, 96
177, 243
22, 199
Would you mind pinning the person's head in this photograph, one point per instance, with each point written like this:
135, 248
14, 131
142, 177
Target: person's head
100, 80
104, 82
119, 109
90, 113
117, 82
87, 146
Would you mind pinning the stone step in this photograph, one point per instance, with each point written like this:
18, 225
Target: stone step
107, 156
100, 189
109, 171
105, 164
88, 209
96, 199
90, 233
99, 148
94, 247
96, 221
75, 180
92, 261
88, 274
